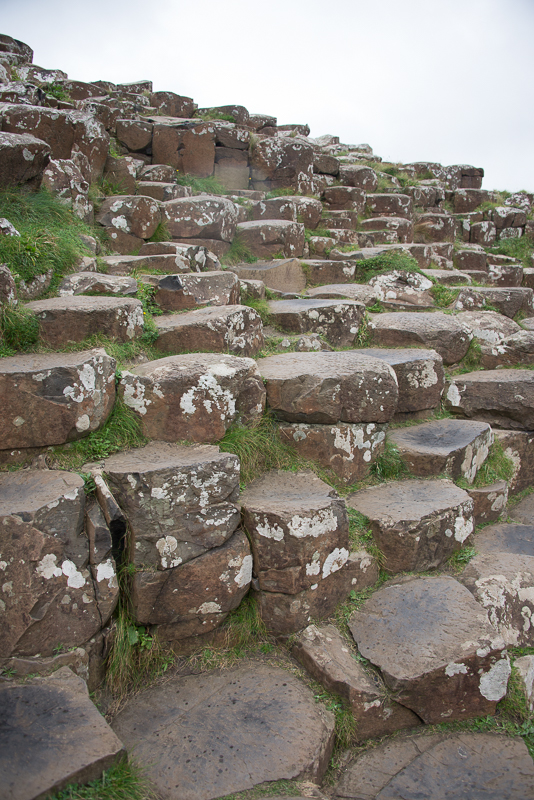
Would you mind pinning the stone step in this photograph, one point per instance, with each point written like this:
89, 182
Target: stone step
513, 351
501, 578
133, 215
432, 227
389, 205
323, 271
193, 397
457, 448
97, 283
505, 275
266, 238
328, 387
502, 397
399, 288
191, 289
393, 229
488, 327
448, 277
63, 320
285, 275
456, 665
339, 198
200, 258
417, 524
508, 301
438, 331
232, 329
161, 191
306, 210
340, 220
337, 320
352, 291
201, 217
167, 262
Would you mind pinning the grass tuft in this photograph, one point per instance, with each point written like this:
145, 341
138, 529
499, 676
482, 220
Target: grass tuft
239, 253
161, 234
461, 558
19, 330
209, 185
389, 466
443, 296
497, 467
259, 305
123, 781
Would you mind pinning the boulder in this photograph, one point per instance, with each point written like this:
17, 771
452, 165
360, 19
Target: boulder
431, 227
162, 192
54, 127
91, 141
344, 197
63, 178
23, 159
503, 397
282, 162
53, 398
161, 173
189, 290
134, 134
490, 501
352, 291
73, 318
417, 524
389, 205
337, 320
505, 275
200, 217
437, 331
512, 351
358, 175
483, 233
187, 145
325, 271
456, 666
193, 397
327, 387
172, 105
306, 210
452, 447
266, 238
399, 287
96, 282
284, 275
465, 200
508, 301
396, 229
518, 446
133, 214
488, 327
471, 257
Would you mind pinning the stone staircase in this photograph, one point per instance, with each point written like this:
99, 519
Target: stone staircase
332, 324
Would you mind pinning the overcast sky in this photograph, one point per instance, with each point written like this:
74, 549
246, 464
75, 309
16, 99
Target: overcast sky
448, 81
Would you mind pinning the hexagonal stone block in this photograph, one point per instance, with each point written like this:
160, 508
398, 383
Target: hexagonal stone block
419, 374
502, 397
328, 658
195, 597
179, 501
352, 291
75, 745
54, 398
389, 205
431, 227
437, 331
193, 397
265, 238
298, 528
490, 501
347, 450
189, 290
81, 282
446, 446
488, 327
456, 665
417, 524
284, 275
219, 329
23, 157
325, 271
207, 217
507, 301
396, 229
220, 739
501, 578
337, 320
402, 287
327, 387
72, 319
133, 214
307, 210
512, 351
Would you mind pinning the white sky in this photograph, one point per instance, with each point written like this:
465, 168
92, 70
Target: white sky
448, 81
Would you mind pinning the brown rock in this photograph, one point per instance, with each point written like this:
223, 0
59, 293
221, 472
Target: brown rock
284, 275
518, 446
80, 282
353, 291
54, 398
503, 397
187, 145
456, 666
508, 301
153, 173
483, 233
432, 227
306, 210
490, 502
172, 105
15, 167
162, 192
267, 238
437, 331
344, 197
92, 141
327, 387
505, 275
63, 178
189, 290
337, 320
194, 397
389, 205
134, 134
398, 229
324, 271
357, 175
203, 216
282, 162
138, 216
471, 258
465, 200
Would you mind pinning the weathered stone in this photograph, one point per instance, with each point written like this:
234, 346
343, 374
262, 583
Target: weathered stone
201, 217
501, 578
435, 766
265, 238
437, 331
194, 397
54, 127
400, 287
162, 173
524, 511
91, 141
134, 134
162, 192
133, 214
346, 450
357, 175
505, 275
187, 145
197, 596
75, 745
337, 320
428, 195
490, 501
180, 501
282, 162
63, 178
518, 446
471, 258
80, 282
328, 658
508, 301
251, 289
417, 524
488, 327
329, 387
285, 275
172, 105
456, 666
74, 318
306, 210
389, 205
344, 197
398, 229
189, 290
217, 329
220, 739
508, 217
448, 277
512, 351
53, 398
298, 528
457, 448
503, 397
524, 667
483, 233
8, 287
465, 200
352, 291
324, 271
419, 375
432, 227
23, 159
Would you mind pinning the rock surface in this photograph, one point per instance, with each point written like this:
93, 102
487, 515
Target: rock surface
503, 397
436, 331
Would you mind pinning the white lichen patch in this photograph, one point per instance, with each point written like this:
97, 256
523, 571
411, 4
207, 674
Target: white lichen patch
134, 394
75, 579
323, 521
462, 528
455, 669
209, 608
335, 560
48, 568
269, 531
106, 572
453, 395
166, 547
494, 682
243, 576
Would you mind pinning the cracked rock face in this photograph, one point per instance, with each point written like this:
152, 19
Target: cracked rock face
503, 397
456, 666
337, 320
436, 331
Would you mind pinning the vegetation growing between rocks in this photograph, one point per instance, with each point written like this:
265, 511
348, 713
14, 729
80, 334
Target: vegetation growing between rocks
238, 253
19, 330
123, 781
389, 466
521, 249
209, 185
271, 789
497, 467
443, 296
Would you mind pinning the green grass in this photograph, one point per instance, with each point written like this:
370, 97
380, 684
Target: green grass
443, 296
361, 536
521, 249
497, 467
389, 466
345, 724
271, 789
19, 330
386, 262
461, 558
123, 781
239, 253
210, 114
56, 90
259, 305
471, 362
280, 193
209, 185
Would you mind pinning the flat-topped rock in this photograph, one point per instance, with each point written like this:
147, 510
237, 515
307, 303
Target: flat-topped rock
205, 217
216, 329
54, 398
396, 229
293, 208
327, 387
284, 275
416, 524
162, 191
389, 205
446, 446
265, 238
337, 320
456, 666
17, 167
488, 326
505, 274
523, 512
133, 214
507, 301
193, 397
512, 351
52, 735
179, 501
502, 397
165, 262
437, 766
440, 332
419, 374
447, 277
298, 528
220, 738
348, 450
189, 290
328, 658
432, 227
326, 271
403, 287
501, 578
352, 291
72, 319
96, 282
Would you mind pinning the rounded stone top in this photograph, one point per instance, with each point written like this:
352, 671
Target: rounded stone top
217, 364
37, 362
29, 490
81, 302
166, 455
287, 493
407, 500
323, 363
400, 355
441, 436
